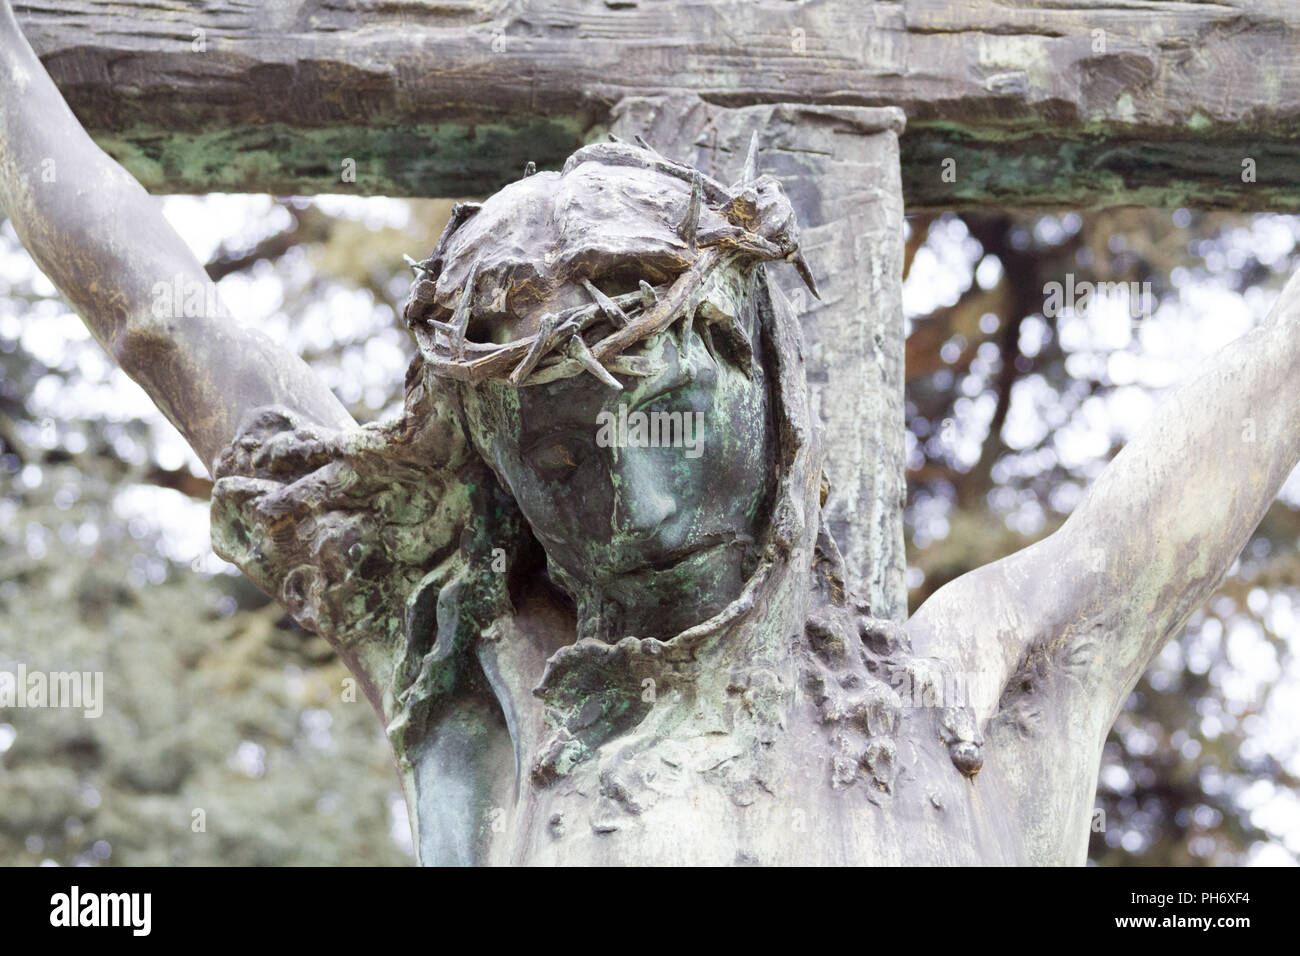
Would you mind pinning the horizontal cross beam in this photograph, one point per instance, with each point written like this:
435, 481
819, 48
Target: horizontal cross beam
1021, 103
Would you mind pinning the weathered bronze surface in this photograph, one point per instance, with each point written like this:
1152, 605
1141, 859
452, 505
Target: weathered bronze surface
638, 625
589, 645
621, 653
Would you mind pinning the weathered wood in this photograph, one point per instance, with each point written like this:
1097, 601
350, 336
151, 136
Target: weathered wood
1081, 102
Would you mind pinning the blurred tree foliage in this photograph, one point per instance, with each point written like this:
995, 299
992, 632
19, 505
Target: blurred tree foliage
217, 702
229, 735
1187, 777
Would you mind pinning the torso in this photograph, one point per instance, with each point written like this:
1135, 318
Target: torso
765, 773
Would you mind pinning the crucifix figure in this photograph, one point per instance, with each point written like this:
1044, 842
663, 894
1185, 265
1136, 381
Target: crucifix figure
590, 577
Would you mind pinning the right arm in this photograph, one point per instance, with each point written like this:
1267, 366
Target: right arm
104, 243
1154, 537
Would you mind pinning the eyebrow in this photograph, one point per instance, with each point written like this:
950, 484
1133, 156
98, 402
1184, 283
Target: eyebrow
566, 412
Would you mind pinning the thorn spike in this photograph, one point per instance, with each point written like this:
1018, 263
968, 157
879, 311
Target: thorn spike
690, 225
648, 295
608, 307
460, 318
801, 266
640, 141
535, 351
750, 171
579, 350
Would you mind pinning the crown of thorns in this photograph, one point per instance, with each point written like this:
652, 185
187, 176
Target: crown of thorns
758, 225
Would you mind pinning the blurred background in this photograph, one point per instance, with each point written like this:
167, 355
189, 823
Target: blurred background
220, 711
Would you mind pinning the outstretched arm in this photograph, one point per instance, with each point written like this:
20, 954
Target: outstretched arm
104, 243
1155, 535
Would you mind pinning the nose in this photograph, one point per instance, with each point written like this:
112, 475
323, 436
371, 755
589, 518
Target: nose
640, 504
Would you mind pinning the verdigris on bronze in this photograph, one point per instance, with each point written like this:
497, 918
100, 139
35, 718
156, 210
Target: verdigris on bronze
591, 643
593, 651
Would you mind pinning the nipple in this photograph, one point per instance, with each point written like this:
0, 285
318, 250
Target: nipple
967, 756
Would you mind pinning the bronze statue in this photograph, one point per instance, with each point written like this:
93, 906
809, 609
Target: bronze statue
585, 578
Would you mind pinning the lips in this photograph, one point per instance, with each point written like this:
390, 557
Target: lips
670, 559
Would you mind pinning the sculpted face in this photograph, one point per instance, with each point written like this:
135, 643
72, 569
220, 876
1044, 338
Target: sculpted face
648, 501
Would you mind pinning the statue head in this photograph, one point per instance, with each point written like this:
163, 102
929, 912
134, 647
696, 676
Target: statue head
603, 329
605, 372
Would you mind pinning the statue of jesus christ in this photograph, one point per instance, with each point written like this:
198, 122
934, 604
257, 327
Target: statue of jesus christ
592, 648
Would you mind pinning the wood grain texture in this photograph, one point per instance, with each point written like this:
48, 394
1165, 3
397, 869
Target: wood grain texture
1038, 103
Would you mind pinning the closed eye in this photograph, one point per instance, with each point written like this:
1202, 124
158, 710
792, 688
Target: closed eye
665, 394
680, 394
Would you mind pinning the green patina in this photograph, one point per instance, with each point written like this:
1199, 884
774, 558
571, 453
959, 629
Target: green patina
422, 159
1021, 167
1017, 161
